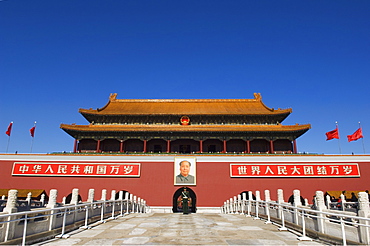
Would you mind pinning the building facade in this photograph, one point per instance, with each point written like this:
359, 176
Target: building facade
185, 126
154, 177
216, 148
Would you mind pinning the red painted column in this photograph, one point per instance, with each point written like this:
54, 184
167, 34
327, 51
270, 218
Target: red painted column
271, 146
248, 146
145, 141
224, 151
121, 146
295, 151
75, 146
168, 146
200, 146
98, 146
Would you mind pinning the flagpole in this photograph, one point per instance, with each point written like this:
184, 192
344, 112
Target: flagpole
31, 145
9, 132
340, 150
33, 137
7, 146
363, 145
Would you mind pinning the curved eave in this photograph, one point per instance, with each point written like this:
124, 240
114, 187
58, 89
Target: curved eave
195, 109
187, 128
90, 116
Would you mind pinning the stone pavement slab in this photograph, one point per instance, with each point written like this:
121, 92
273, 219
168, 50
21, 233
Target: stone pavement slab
179, 229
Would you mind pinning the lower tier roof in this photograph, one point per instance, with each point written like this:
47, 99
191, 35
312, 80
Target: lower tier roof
77, 131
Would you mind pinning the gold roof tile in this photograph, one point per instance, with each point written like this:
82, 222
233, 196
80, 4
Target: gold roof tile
185, 107
186, 128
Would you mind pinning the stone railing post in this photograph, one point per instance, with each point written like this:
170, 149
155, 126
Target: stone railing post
42, 200
244, 198
250, 195
257, 208
113, 195
296, 203
52, 198
320, 206
120, 199
74, 199
103, 195
3, 197
120, 195
227, 208
11, 202
131, 203
319, 201
280, 196
144, 204
113, 198
328, 201
235, 205
250, 198
267, 199
52, 203
231, 203
28, 199
10, 208
139, 205
343, 201
126, 201
280, 200
90, 196
134, 205
239, 203
267, 196
103, 205
297, 198
364, 211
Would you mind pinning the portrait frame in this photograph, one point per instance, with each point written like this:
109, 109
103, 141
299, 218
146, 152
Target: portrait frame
178, 178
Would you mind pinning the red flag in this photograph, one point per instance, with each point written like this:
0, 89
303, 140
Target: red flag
356, 135
32, 131
9, 130
332, 134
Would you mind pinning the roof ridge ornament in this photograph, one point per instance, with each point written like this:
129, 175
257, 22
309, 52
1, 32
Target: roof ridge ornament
113, 97
257, 96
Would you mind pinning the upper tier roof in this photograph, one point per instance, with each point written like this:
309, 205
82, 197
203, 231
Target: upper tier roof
185, 107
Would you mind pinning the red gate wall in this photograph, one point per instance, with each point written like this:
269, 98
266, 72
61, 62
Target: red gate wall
156, 182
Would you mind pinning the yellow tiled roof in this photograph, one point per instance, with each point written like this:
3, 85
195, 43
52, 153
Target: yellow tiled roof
185, 107
184, 128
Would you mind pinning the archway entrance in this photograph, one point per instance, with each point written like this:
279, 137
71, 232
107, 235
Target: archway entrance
176, 201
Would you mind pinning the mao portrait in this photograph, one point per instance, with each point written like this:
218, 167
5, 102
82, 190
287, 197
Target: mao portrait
185, 171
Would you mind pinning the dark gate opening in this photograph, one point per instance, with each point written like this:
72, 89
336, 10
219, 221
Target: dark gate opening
177, 204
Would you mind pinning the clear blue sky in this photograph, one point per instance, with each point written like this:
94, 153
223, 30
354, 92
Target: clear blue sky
59, 56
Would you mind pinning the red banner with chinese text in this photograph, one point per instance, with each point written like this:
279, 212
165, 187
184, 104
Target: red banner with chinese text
76, 169
295, 170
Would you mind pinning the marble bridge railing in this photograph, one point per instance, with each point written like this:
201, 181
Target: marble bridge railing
57, 219
312, 221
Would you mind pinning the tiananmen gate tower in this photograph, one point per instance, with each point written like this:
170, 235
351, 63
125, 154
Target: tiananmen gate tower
186, 126
226, 146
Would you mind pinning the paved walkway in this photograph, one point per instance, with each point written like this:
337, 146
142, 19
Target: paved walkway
179, 229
